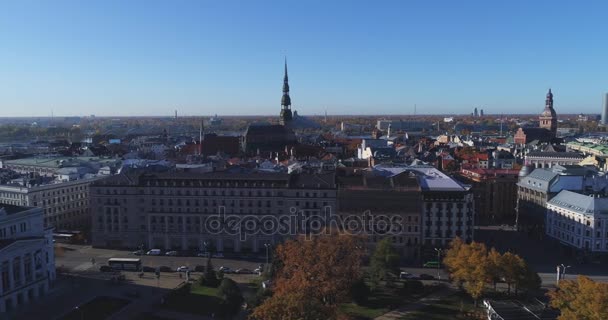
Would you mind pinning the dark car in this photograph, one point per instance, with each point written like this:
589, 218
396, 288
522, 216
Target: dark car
106, 269
165, 269
424, 276
148, 269
199, 268
243, 271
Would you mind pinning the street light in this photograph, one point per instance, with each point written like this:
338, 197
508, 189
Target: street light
439, 251
564, 267
267, 245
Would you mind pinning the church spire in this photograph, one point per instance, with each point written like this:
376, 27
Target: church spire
286, 115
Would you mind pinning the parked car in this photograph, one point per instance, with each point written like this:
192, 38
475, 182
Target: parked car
147, 269
154, 252
182, 269
258, 270
217, 255
165, 269
406, 275
199, 268
424, 276
171, 253
138, 252
106, 269
203, 254
225, 269
431, 264
243, 271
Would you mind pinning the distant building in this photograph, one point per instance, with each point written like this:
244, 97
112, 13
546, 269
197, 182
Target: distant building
403, 125
540, 159
579, 221
27, 258
605, 110
548, 119
547, 129
475, 113
264, 138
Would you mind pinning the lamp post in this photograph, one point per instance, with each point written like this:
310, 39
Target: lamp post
439, 251
564, 267
267, 245
558, 276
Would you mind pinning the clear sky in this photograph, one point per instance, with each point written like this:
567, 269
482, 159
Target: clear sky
346, 57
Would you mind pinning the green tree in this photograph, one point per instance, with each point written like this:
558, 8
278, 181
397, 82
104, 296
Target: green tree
231, 296
384, 262
359, 292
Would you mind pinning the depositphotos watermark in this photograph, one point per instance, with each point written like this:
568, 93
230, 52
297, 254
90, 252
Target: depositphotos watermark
298, 222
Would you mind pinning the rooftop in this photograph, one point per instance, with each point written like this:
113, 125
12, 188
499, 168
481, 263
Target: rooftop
580, 203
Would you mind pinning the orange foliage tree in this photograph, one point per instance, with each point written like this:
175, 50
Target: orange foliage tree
313, 277
581, 299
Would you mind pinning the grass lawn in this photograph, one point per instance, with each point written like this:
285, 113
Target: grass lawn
99, 308
380, 302
201, 301
456, 306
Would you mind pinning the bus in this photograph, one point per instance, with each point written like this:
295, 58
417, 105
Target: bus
127, 264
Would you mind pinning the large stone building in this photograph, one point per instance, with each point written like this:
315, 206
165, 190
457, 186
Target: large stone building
448, 208
540, 159
177, 210
65, 204
548, 118
495, 194
381, 198
27, 259
579, 221
537, 187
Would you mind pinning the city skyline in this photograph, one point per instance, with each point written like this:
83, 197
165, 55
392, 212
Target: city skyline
203, 58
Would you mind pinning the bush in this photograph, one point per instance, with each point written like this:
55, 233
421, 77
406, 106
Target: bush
359, 292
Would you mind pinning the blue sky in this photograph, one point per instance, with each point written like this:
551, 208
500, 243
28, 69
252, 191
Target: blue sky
346, 57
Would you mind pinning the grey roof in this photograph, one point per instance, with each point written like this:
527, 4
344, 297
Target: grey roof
587, 205
540, 179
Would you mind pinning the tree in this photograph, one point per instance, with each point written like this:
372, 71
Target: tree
580, 299
495, 266
528, 279
210, 278
384, 261
513, 267
231, 296
313, 277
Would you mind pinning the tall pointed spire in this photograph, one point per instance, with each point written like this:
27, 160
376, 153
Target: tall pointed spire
286, 115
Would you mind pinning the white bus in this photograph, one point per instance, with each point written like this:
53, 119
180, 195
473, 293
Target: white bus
128, 264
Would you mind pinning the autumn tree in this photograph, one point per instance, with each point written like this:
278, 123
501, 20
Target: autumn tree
512, 268
313, 277
582, 298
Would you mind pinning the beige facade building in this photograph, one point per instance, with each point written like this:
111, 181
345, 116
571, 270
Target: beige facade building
232, 212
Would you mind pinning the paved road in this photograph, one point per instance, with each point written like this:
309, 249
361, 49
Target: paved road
77, 258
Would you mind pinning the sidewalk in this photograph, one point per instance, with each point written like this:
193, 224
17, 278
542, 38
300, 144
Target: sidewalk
414, 306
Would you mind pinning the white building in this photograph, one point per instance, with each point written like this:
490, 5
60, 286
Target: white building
65, 204
27, 260
578, 221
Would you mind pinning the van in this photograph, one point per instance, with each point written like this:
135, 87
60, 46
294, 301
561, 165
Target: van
153, 252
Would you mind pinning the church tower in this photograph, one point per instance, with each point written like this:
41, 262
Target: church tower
286, 116
548, 119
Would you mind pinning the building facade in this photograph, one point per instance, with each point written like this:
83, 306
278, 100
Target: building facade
183, 211
65, 204
579, 221
540, 159
495, 194
27, 260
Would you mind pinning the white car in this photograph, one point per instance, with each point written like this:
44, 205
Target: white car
171, 253
183, 269
225, 269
